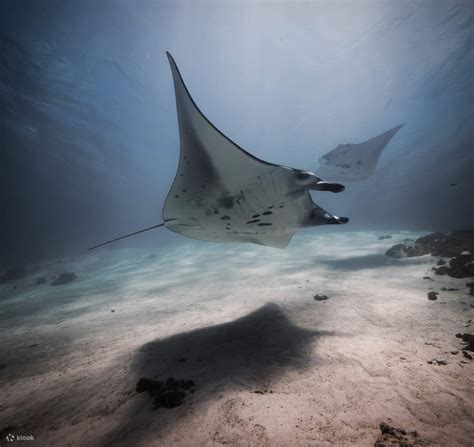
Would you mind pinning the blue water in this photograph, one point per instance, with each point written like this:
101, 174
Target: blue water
90, 139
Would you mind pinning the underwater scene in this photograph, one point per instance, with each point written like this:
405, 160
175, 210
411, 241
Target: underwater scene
240, 223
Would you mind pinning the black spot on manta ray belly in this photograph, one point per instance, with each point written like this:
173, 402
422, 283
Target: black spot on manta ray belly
256, 215
264, 224
267, 213
225, 217
226, 202
252, 221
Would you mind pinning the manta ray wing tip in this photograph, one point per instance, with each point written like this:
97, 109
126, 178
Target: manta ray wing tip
397, 128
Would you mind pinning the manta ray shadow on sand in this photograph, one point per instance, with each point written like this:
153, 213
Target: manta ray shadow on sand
245, 354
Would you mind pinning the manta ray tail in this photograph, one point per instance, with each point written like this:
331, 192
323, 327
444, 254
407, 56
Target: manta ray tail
127, 235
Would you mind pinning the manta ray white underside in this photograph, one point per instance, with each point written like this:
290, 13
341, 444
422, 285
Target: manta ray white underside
223, 193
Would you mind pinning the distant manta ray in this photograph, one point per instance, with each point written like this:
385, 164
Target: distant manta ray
355, 162
222, 193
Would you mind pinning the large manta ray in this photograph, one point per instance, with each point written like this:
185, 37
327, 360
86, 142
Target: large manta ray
223, 193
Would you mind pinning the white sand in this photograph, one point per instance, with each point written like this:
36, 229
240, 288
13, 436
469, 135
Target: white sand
241, 319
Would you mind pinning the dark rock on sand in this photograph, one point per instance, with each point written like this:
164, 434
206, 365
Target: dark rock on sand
387, 236
64, 278
40, 280
320, 297
458, 245
449, 289
13, 274
467, 355
469, 340
263, 391
433, 296
438, 244
405, 251
448, 244
438, 362
470, 286
416, 250
428, 277
396, 251
168, 393
396, 437
461, 266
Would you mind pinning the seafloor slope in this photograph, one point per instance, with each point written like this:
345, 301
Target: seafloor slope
271, 365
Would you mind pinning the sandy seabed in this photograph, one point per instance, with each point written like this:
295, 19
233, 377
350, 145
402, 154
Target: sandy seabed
272, 366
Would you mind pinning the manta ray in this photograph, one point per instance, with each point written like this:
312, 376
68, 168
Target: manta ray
222, 193
355, 162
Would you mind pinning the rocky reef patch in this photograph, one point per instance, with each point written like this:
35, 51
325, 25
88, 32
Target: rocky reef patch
457, 245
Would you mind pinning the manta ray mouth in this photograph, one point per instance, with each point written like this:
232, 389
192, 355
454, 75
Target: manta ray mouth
341, 220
